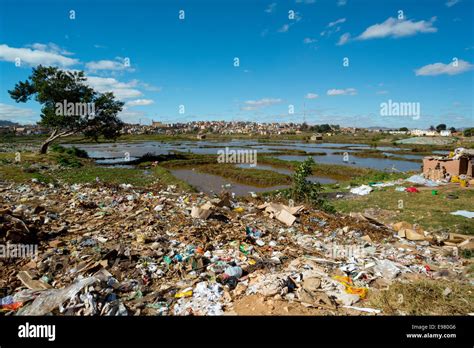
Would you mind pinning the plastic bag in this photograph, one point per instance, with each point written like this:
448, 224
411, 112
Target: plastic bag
50, 299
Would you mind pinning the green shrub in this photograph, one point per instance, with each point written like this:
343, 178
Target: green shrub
305, 191
73, 151
68, 161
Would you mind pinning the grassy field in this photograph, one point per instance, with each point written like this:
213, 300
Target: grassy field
424, 297
47, 169
430, 212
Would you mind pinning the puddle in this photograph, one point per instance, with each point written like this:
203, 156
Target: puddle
289, 172
210, 183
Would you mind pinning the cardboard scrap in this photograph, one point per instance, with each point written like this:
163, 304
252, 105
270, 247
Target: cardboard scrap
401, 225
202, 212
285, 217
411, 234
27, 279
282, 212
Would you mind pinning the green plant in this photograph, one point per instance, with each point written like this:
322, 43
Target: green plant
72, 151
68, 161
305, 191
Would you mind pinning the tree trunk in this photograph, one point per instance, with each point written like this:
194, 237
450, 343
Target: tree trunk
44, 147
55, 135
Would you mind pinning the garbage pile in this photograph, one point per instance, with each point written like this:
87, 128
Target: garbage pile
457, 167
102, 250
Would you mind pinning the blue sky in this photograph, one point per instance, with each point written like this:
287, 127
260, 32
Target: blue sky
282, 61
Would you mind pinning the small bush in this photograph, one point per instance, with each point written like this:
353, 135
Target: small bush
68, 161
73, 151
305, 191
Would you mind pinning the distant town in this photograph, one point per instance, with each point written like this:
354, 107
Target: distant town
201, 128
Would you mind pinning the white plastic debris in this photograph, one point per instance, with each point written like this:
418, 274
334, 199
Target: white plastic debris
465, 213
387, 269
362, 190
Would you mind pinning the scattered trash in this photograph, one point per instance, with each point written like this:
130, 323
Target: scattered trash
166, 252
387, 269
361, 190
465, 213
368, 310
420, 180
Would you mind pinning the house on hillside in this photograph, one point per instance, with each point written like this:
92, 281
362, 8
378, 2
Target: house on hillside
445, 133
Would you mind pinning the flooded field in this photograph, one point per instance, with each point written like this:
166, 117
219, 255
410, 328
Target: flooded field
286, 171
385, 164
326, 153
210, 184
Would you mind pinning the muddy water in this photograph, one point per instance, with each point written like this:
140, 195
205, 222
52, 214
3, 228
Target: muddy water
210, 184
289, 172
111, 154
385, 164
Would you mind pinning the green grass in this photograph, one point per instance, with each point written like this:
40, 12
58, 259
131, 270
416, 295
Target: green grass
334, 171
430, 212
45, 168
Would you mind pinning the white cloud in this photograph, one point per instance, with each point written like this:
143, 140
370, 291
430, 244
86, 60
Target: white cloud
347, 91
271, 7
309, 40
50, 47
33, 57
17, 115
260, 103
382, 92
311, 96
118, 64
451, 3
448, 69
398, 28
121, 90
150, 88
339, 21
344, 39
341, 2
284, 28
140, 102
131, 116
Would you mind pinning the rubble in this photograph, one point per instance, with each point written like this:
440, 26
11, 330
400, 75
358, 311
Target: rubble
107, 250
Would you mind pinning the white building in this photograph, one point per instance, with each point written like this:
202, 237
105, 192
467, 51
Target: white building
445, 133
423, 132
